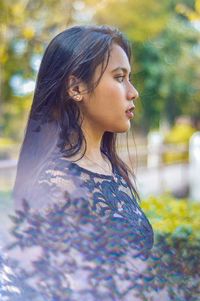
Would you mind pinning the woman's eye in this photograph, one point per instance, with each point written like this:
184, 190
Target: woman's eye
120, 78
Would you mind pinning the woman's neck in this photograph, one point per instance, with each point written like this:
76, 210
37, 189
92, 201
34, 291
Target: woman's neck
93, 137
93, 158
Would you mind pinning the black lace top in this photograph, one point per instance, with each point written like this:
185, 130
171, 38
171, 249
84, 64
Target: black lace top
90, 232
107, 196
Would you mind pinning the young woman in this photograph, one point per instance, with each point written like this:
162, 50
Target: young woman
69, 164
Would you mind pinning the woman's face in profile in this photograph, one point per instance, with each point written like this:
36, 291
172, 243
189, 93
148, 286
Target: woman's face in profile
106, 107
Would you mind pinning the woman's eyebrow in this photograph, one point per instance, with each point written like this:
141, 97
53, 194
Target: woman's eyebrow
124, 70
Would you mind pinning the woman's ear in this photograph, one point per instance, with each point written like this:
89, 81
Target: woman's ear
75, 88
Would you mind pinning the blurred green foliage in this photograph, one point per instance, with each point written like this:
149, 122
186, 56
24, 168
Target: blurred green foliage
164, 49
174, 265
177, 217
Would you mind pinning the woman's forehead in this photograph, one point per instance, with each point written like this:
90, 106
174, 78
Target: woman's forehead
118, 59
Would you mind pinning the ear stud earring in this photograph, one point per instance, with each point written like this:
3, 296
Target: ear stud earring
78, 97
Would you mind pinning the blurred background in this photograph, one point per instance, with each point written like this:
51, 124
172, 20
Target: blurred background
166, 51
165, 36
165, 153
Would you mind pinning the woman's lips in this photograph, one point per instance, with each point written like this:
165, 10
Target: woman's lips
129, 113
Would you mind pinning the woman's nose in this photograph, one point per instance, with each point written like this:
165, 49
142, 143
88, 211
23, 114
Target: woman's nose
132, 93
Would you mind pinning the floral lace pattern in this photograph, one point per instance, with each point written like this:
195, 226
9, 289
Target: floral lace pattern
108, 196
83, 235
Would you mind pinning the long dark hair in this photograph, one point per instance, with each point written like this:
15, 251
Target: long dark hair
76, 51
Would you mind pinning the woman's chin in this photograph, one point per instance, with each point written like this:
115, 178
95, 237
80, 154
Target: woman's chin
123, 128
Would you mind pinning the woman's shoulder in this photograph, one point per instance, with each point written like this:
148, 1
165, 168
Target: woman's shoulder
54, 181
